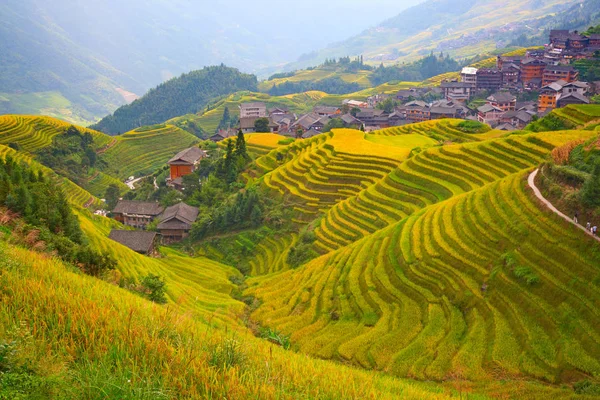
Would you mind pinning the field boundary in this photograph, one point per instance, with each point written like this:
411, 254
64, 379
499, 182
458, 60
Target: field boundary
547, 203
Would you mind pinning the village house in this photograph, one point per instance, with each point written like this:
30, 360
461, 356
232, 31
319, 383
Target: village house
141, 242
351, 121
553, 73
468, 75
326, 111
374, 101
407, 94
222, 134
355, 103
136, 214
457, 91
417, 111
489, 79
561, 93
176, 222
502, 100
511, 75
532, 71
253, 110
248, 125
518, 119
185, 162
488, 114
278, 111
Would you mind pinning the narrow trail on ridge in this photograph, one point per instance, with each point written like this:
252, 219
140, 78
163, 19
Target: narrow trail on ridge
538, 194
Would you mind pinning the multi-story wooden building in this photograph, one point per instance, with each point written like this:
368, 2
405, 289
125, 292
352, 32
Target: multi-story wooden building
185, 162
253, 110
137, 214
503, 100
489, 79
457, 91
176, 222
553, 73
532, 70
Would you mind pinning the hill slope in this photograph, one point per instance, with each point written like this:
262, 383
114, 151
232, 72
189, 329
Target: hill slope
463, 28
188, 93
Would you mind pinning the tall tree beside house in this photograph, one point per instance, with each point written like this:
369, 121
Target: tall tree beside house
299, 132
225, 122
112, 195
261, 125
335, 123
240, 146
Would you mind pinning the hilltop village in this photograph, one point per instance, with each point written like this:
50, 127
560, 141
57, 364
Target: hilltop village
509, 96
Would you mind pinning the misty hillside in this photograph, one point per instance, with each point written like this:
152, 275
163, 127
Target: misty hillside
67, 59
462, 27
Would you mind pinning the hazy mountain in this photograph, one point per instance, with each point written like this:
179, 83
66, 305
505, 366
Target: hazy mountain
82, 50
462, 27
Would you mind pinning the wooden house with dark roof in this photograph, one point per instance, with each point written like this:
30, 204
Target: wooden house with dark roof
142, 242
137, 214
176, 222
185, 162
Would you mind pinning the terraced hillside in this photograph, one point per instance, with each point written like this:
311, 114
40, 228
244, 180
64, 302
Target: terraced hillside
443, 266
145, 150
480, 286
432, 176
32, 133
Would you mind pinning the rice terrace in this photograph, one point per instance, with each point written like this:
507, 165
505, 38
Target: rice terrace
406, 212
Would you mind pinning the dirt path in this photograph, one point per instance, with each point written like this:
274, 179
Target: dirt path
538, 194
108, 146
89, 202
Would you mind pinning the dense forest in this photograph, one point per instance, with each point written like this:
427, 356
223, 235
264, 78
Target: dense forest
186, 94
425, 68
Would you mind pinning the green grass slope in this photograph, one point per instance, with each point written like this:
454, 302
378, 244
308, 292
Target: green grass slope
145, 150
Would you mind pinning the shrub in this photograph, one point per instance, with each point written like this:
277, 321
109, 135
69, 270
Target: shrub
154, 288
472, 127
226, 354
286, 141
276, 337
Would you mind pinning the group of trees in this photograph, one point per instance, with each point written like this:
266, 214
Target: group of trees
71, 154
227, 121
425, 68
329, 85
186, 94
44, 207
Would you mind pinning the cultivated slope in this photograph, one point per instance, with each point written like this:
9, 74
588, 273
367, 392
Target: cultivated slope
444, 266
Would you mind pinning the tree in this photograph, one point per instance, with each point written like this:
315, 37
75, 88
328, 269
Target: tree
591, 188
335, 123
261, 125
154, 287
225, 122
354, 111
112, 195
240, 146
299, 132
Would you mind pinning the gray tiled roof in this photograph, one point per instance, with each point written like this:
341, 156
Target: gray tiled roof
188, 156
139, 241
138, 208
179, 216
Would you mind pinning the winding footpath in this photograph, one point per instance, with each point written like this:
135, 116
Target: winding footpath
538, 194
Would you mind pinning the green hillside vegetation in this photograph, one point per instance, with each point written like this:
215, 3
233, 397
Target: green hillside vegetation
142, 152
415, 247
428, 220
188, 93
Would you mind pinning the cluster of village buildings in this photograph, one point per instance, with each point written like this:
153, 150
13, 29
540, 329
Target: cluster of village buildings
173, 223
547, 72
